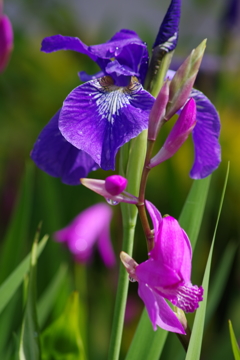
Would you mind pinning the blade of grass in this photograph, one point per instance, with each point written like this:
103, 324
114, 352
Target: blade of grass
29, 340
235, 348
195, 343
11, 284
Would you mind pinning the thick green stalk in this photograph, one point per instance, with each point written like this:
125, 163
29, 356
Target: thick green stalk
133, 172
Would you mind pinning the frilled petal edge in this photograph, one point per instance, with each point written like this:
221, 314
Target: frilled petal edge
57, 157
99, 117
205, 137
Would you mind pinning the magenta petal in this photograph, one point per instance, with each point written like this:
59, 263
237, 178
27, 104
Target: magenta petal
155, 273
115, 184
89, 227
105, 248
159, 311
6, 40
155, 216
188, 297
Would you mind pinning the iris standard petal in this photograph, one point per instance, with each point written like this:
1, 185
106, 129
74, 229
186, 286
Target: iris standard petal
57, 157
60, 42
99, 118
205, 137
168, 33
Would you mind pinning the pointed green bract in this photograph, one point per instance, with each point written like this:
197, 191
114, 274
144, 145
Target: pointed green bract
235, 347
29, 341
195, 343
182, 82
62, 339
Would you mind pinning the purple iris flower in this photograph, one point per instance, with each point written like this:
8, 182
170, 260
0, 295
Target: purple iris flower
90, 227
6, 39
166, 274
107, 111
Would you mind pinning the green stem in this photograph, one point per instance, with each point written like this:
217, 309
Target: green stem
133, 172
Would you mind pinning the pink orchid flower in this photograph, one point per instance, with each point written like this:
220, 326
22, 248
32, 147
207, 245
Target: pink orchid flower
166, 274
89, 227
6, 39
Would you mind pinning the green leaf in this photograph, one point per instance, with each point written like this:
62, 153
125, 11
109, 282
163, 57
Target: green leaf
193, 209
235, 348
29, 340
220, 279
62, 339
11, 284
195, 343
47, 300
146, 343
17, 231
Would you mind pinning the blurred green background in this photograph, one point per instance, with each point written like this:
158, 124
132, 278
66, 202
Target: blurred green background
33, 88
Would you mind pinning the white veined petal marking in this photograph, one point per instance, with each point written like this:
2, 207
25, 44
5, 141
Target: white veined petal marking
111, 98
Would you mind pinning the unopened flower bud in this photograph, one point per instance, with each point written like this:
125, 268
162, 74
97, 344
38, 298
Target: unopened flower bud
178, 134
115, 184
183, 80
156, 117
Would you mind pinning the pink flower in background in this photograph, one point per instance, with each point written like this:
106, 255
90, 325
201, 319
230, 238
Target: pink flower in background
90, 227
166, 274
6, 39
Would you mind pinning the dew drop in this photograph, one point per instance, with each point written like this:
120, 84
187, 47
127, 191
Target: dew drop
112, 202
98, 156
80, 133
132, 279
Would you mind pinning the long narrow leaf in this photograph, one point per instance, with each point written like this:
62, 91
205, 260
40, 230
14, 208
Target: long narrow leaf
29, 341
235, 348
146, 343
195, 343
11, 284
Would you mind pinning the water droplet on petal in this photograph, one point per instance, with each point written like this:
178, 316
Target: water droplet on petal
80, 133
112, 202
98, 156
132, 279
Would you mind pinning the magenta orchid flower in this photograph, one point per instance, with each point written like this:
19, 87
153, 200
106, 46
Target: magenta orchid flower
90, 227
166, 274
6, 39
112, 188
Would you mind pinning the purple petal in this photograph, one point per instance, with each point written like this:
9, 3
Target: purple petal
187, 259
159, 311
59, 42
188, 297
85, 77
120, 73
105, 248
155, 216
6, 40
205, 137
168, 33
100, 119
156, 274
57, 157
84, 231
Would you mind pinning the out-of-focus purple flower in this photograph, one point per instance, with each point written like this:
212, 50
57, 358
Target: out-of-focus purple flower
178, 135
103, 114
113, 189
90, 227
167, 36
6, 40
57, 157
205, 135
166, 274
